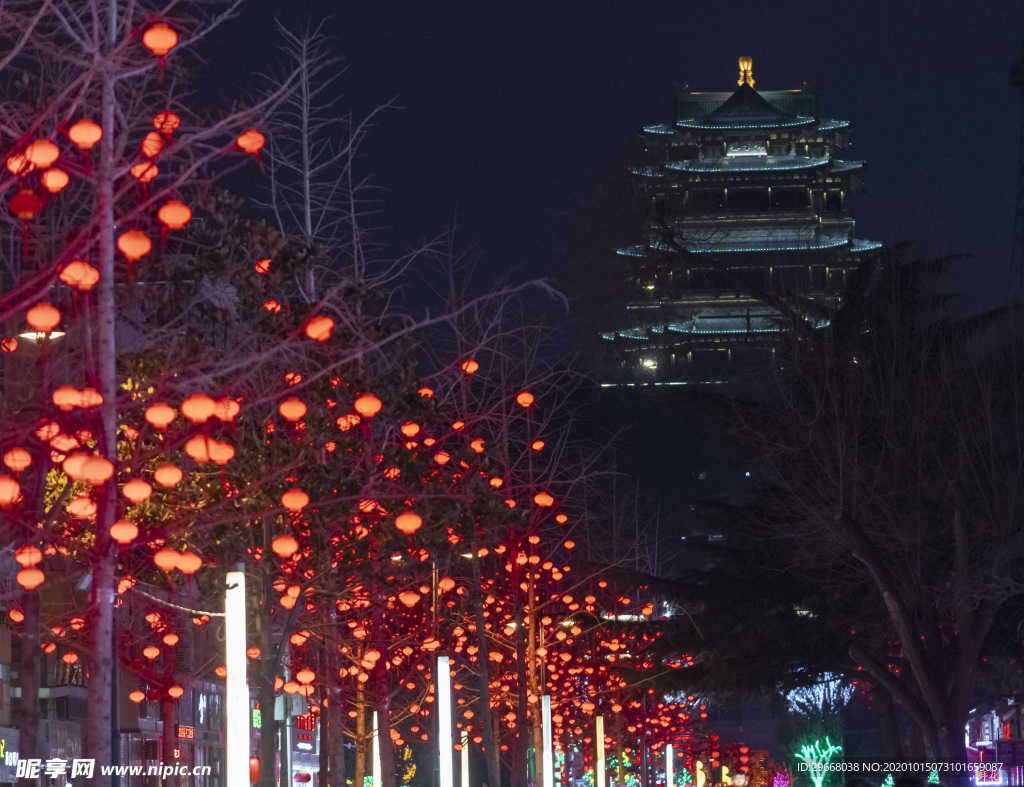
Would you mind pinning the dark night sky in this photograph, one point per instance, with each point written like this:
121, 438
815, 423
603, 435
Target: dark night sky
519, 120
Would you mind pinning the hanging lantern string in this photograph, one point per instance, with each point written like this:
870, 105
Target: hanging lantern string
176, 606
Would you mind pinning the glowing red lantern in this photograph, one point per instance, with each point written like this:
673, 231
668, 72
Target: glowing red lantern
295, 500
174, 214
137, 490
28, 555
96, 470
198, 408
70, 658
284, 546
524, 398
543, 499
10, 491
254, 769
408, 522
137, 696
166, 559
124, 531
470, 367
85, 134
305, 675
409, 598
292, 408
80, 275
17, 459
319, 328
30, 578
16, 615
253, 653
171, 639
263, 266
145, 171
168, 475
251, 141
54, 180
160, 415
189, 563
175, 692
160, 39
134, 245
151, 652
25, 205
367, 405
9, 345
42, 153
166, 122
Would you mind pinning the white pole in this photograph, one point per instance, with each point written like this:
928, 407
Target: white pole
548, 761
669, 766
444, 721
599, 734
465, 758
237, 699
376, 752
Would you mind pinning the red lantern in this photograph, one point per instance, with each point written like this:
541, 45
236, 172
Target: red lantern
175, 692
137, 490
251, 141
189, 563
25, 204
42, 153
168, 475
284, 546
160, 415
408, 522
145, 171
30, 578
85, 134
254, 769
137, 696
166, 559
160, 39
295, 500
124, 531
367, 405
10, 491
152, 144
292, 409
470, 367
174, 214
54, 180
166, 122
525, 399
80, 275
17, 459
319, 328
134, 245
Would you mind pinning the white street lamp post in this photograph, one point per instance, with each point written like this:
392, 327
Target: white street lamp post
599, 734
548, 761
237, 691
669, 766
444, 720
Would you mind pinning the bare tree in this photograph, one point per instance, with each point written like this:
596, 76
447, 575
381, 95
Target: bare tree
892, 466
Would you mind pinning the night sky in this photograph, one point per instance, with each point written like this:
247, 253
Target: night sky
519, 120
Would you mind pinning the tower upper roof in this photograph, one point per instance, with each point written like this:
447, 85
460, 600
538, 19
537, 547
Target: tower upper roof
747, 106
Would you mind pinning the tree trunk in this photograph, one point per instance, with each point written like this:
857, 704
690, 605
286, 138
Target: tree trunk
484, 677
521, 751
97, 740
28, 678
267, 695
360, 772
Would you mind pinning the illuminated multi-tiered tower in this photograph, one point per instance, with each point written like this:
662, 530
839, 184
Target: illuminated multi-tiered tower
745, 198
